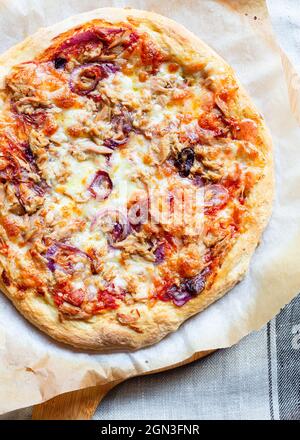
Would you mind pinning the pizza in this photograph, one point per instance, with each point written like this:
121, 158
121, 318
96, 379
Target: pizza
136, 178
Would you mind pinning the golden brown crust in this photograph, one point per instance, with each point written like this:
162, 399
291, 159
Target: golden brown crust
108, 334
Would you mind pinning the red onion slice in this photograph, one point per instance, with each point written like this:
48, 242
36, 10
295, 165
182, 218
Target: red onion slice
85, 78
37, 118
193, 286
122, 125
178, 296
198, 182
188, 288
113, 223
95, 35
51, 252
160, 253
215, 196
114, 143
55, 248
109, 68
81, 38
101, 185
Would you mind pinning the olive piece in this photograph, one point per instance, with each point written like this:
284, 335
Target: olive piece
184, 161
59, 63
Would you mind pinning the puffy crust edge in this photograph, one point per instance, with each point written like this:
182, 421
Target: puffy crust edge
102, 333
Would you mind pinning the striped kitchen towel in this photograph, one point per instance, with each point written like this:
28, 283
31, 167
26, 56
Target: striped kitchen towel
259, 378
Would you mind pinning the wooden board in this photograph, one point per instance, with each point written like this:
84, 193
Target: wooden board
82, 404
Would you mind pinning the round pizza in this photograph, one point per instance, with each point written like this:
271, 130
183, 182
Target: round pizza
136, 177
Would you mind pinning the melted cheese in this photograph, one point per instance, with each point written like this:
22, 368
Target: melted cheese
157, 105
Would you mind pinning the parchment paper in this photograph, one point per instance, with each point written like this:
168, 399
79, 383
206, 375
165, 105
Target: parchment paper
34, 368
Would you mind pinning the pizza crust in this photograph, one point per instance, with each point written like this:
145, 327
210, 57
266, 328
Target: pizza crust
102, 333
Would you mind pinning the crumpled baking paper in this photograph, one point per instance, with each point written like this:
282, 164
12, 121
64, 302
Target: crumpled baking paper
34, 368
